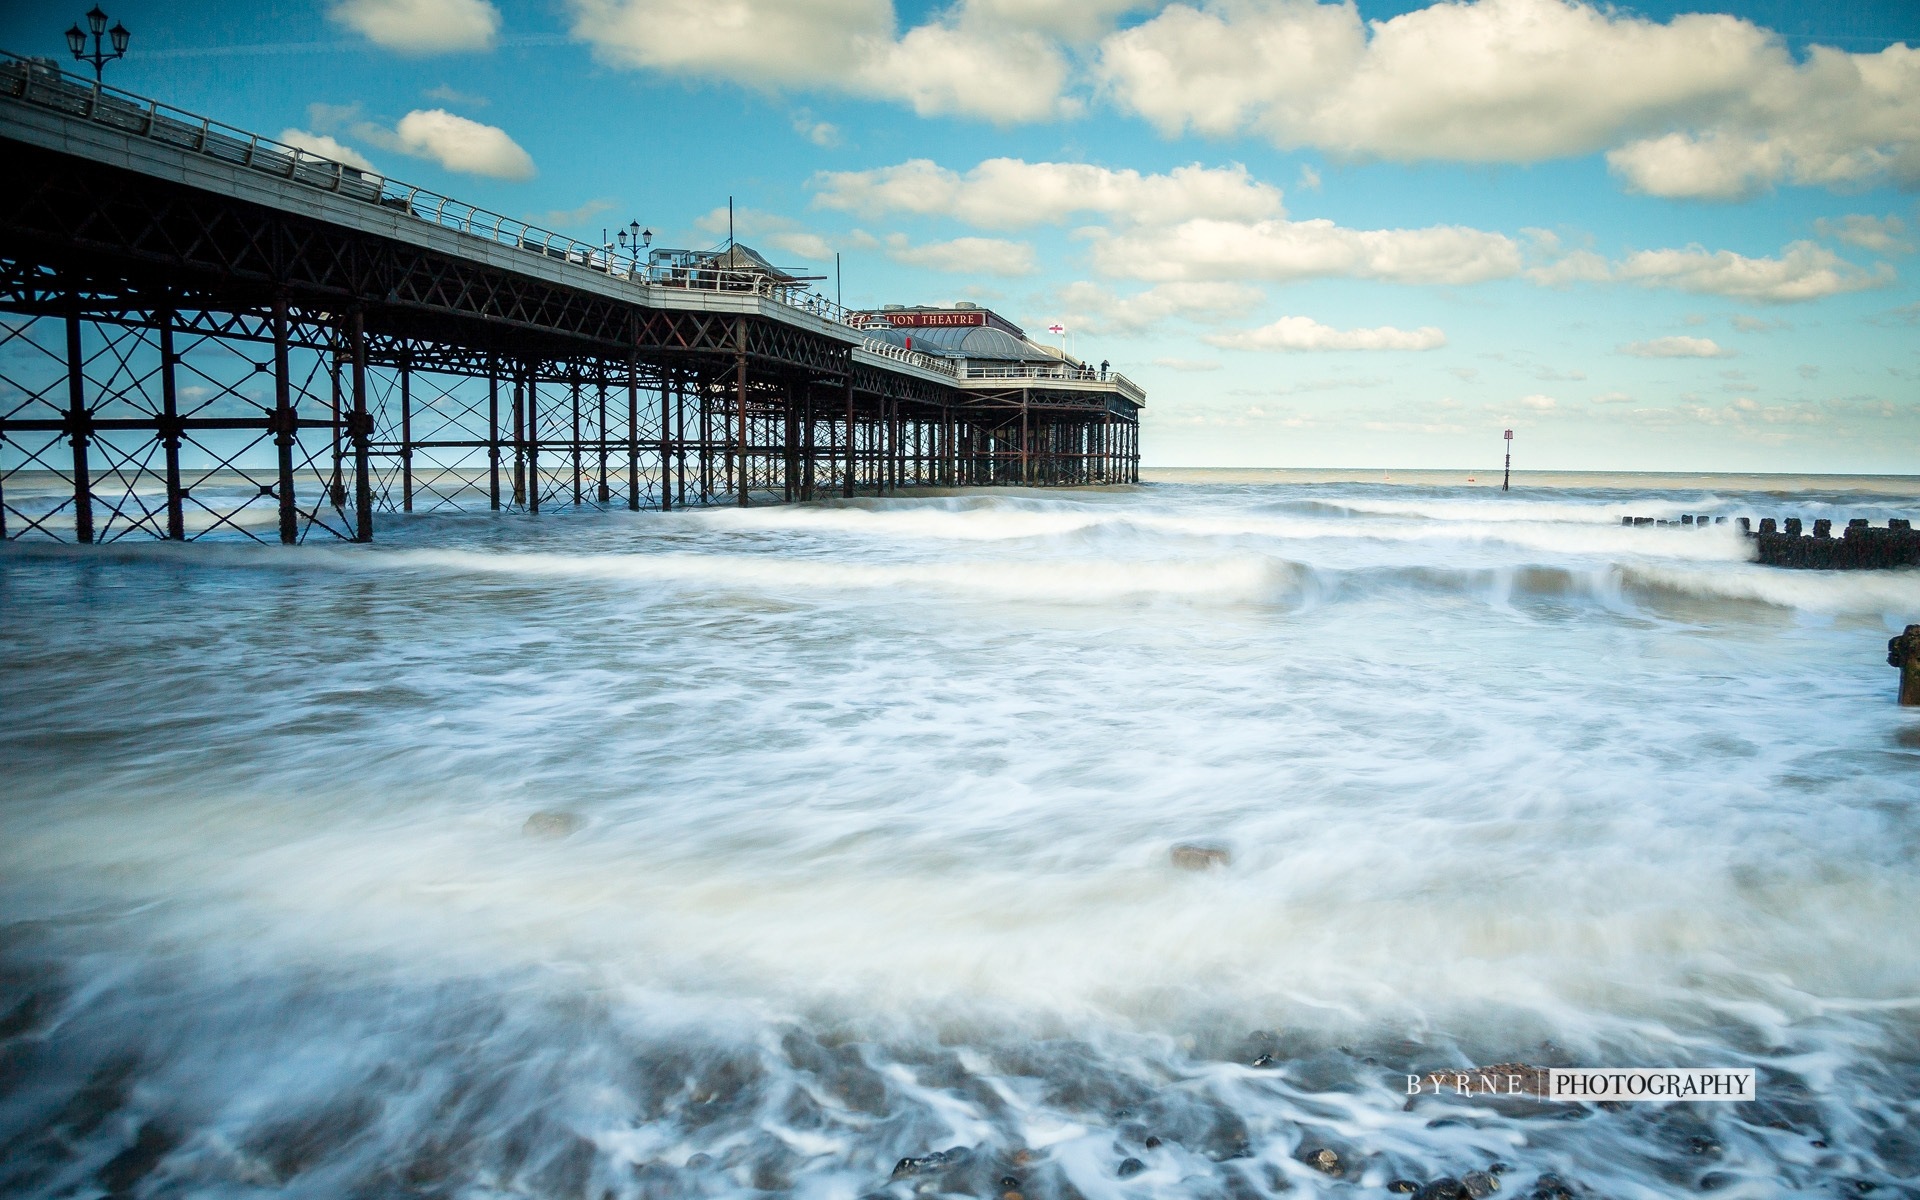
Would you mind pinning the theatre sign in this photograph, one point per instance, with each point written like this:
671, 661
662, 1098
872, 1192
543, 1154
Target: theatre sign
927, 319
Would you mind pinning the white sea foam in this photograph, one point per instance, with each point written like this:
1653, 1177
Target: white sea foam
876, 803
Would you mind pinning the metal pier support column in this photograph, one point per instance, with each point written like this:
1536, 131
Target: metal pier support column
361, 430
519, 435
406, 434
790, 443
533, 438
740, 405
603, 492
680, 436
79, 425
493, 433
337, 481
846, 476
170, 433
285, 424
573, 383
666, 440
704, 394
808, 449
1026, 461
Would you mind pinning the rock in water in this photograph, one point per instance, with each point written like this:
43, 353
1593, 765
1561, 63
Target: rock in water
1198, 856
1903, 652
1324, 1161
1130, 1167
1479, 1184
552, 823
938, 1160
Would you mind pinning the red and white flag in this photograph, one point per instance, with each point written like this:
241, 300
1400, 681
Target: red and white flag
1056, 329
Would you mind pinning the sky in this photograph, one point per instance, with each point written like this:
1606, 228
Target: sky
1320, 235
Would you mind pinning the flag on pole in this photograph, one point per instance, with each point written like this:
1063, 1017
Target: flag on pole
1056, 329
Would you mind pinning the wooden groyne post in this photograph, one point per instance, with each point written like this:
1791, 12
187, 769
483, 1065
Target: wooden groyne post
1903, 652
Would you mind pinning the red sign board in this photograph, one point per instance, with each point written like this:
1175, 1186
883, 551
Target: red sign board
1509, 435
930, 320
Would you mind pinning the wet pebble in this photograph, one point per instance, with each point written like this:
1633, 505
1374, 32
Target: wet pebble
1199, 856
1551, 1187
552, 824
1324, 1161
938, 1160
1130, 1167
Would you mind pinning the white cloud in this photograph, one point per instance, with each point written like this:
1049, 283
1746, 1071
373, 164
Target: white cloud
1837, 120
939, 68
326, 147
1711, 166
1282, 249
1880, 234
1804, 271
1075, 20
1188, 364
1305, 333
1750, 324
965, 255
1008, 193
456, 144
570, 218
1575, 266
448, 95
1539, 403
965, 62
1612, 398
1097, 310
421, 26
1676, 347
820, 133
772, 230
1704, 105
1309, 178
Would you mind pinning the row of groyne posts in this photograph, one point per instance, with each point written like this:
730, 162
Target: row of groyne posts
1861, 546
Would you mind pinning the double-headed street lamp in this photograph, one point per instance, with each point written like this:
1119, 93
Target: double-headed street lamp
635, 240
97, 22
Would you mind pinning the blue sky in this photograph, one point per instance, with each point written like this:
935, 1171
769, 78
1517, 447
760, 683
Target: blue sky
1645, 239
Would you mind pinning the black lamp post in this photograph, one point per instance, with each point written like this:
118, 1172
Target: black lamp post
634, 240
118, 37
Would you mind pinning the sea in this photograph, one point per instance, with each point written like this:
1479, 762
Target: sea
829, 850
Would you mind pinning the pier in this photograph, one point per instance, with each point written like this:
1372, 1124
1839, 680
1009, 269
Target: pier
206, 332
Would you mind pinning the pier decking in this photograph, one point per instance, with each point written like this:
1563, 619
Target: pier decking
204, 331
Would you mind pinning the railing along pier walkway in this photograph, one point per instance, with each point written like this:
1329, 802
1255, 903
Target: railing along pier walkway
205, 331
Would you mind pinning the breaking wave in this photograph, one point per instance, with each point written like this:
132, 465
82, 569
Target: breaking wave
825, 851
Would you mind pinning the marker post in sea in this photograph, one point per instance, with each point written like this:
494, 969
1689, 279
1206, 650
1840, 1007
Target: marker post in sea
1506, 478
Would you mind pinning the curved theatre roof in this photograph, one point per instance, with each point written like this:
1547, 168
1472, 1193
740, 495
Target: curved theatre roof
976, 342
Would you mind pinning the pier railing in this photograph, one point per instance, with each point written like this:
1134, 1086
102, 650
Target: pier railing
43, 84
1127, 387
913, 358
